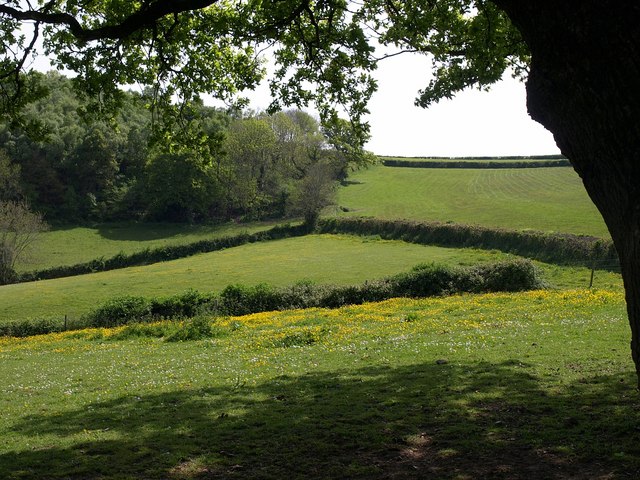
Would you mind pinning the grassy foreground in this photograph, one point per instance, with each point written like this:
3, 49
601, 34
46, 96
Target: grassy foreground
501, 386
545, 199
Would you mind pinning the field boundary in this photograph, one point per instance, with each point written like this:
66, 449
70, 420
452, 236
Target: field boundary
423, 280
476, 163
563, 249
480, 157
163, 254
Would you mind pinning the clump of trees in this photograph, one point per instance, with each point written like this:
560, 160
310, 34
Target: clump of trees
208, 165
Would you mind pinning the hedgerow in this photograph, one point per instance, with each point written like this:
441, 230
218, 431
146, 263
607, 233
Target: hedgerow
162, 254
475, 164
547, 247
421, 281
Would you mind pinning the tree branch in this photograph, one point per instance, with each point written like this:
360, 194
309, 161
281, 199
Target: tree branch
146, 16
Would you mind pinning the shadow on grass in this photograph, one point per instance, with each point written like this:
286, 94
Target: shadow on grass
133, 231
144, 232
420, 421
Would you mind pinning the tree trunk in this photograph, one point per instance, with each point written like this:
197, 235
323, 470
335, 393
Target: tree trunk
583, 87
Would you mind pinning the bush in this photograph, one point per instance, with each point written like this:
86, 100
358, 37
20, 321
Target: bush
512, 276
337, 296
183, 305
426, 281
476, 164
304, 294
30, 327
120, 311
198, 328
555, 248
242, 300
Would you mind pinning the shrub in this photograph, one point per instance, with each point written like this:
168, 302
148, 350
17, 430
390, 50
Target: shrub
337, 296
243, 300
555, 248
32, 326
477, 164
425, 281
304, 294
198, 328
120, 311
183, 305
511, 276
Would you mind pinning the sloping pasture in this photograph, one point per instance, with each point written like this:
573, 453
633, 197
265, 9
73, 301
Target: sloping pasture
545, 199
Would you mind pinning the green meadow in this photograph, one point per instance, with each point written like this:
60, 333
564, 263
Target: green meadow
68, 245
323, 259
336, 259
496, 386
500, 386
545, 199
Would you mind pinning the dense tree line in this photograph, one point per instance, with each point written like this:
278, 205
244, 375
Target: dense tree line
208, 164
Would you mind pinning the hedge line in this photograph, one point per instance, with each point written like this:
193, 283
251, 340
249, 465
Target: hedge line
421, 281
508, 157
547, 247
162, 254
475, 164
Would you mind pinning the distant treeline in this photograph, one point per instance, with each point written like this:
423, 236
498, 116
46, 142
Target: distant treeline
547, 247
206, 164
495, 162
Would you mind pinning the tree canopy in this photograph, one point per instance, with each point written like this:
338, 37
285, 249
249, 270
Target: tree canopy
324, 50
215, 165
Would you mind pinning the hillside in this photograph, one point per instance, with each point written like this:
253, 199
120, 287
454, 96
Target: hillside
545, 199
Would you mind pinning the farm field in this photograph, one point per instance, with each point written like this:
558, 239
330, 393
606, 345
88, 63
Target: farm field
333, 259
76, 244
496, 386
504, 386
338, 259
545, 199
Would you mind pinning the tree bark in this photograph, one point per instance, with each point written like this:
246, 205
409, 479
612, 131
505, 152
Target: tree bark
583, 87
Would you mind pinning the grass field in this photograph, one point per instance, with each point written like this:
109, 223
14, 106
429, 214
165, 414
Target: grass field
336, 259
500, 386
73, 244
546, 199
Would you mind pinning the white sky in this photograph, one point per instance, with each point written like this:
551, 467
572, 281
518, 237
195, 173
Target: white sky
473, 123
